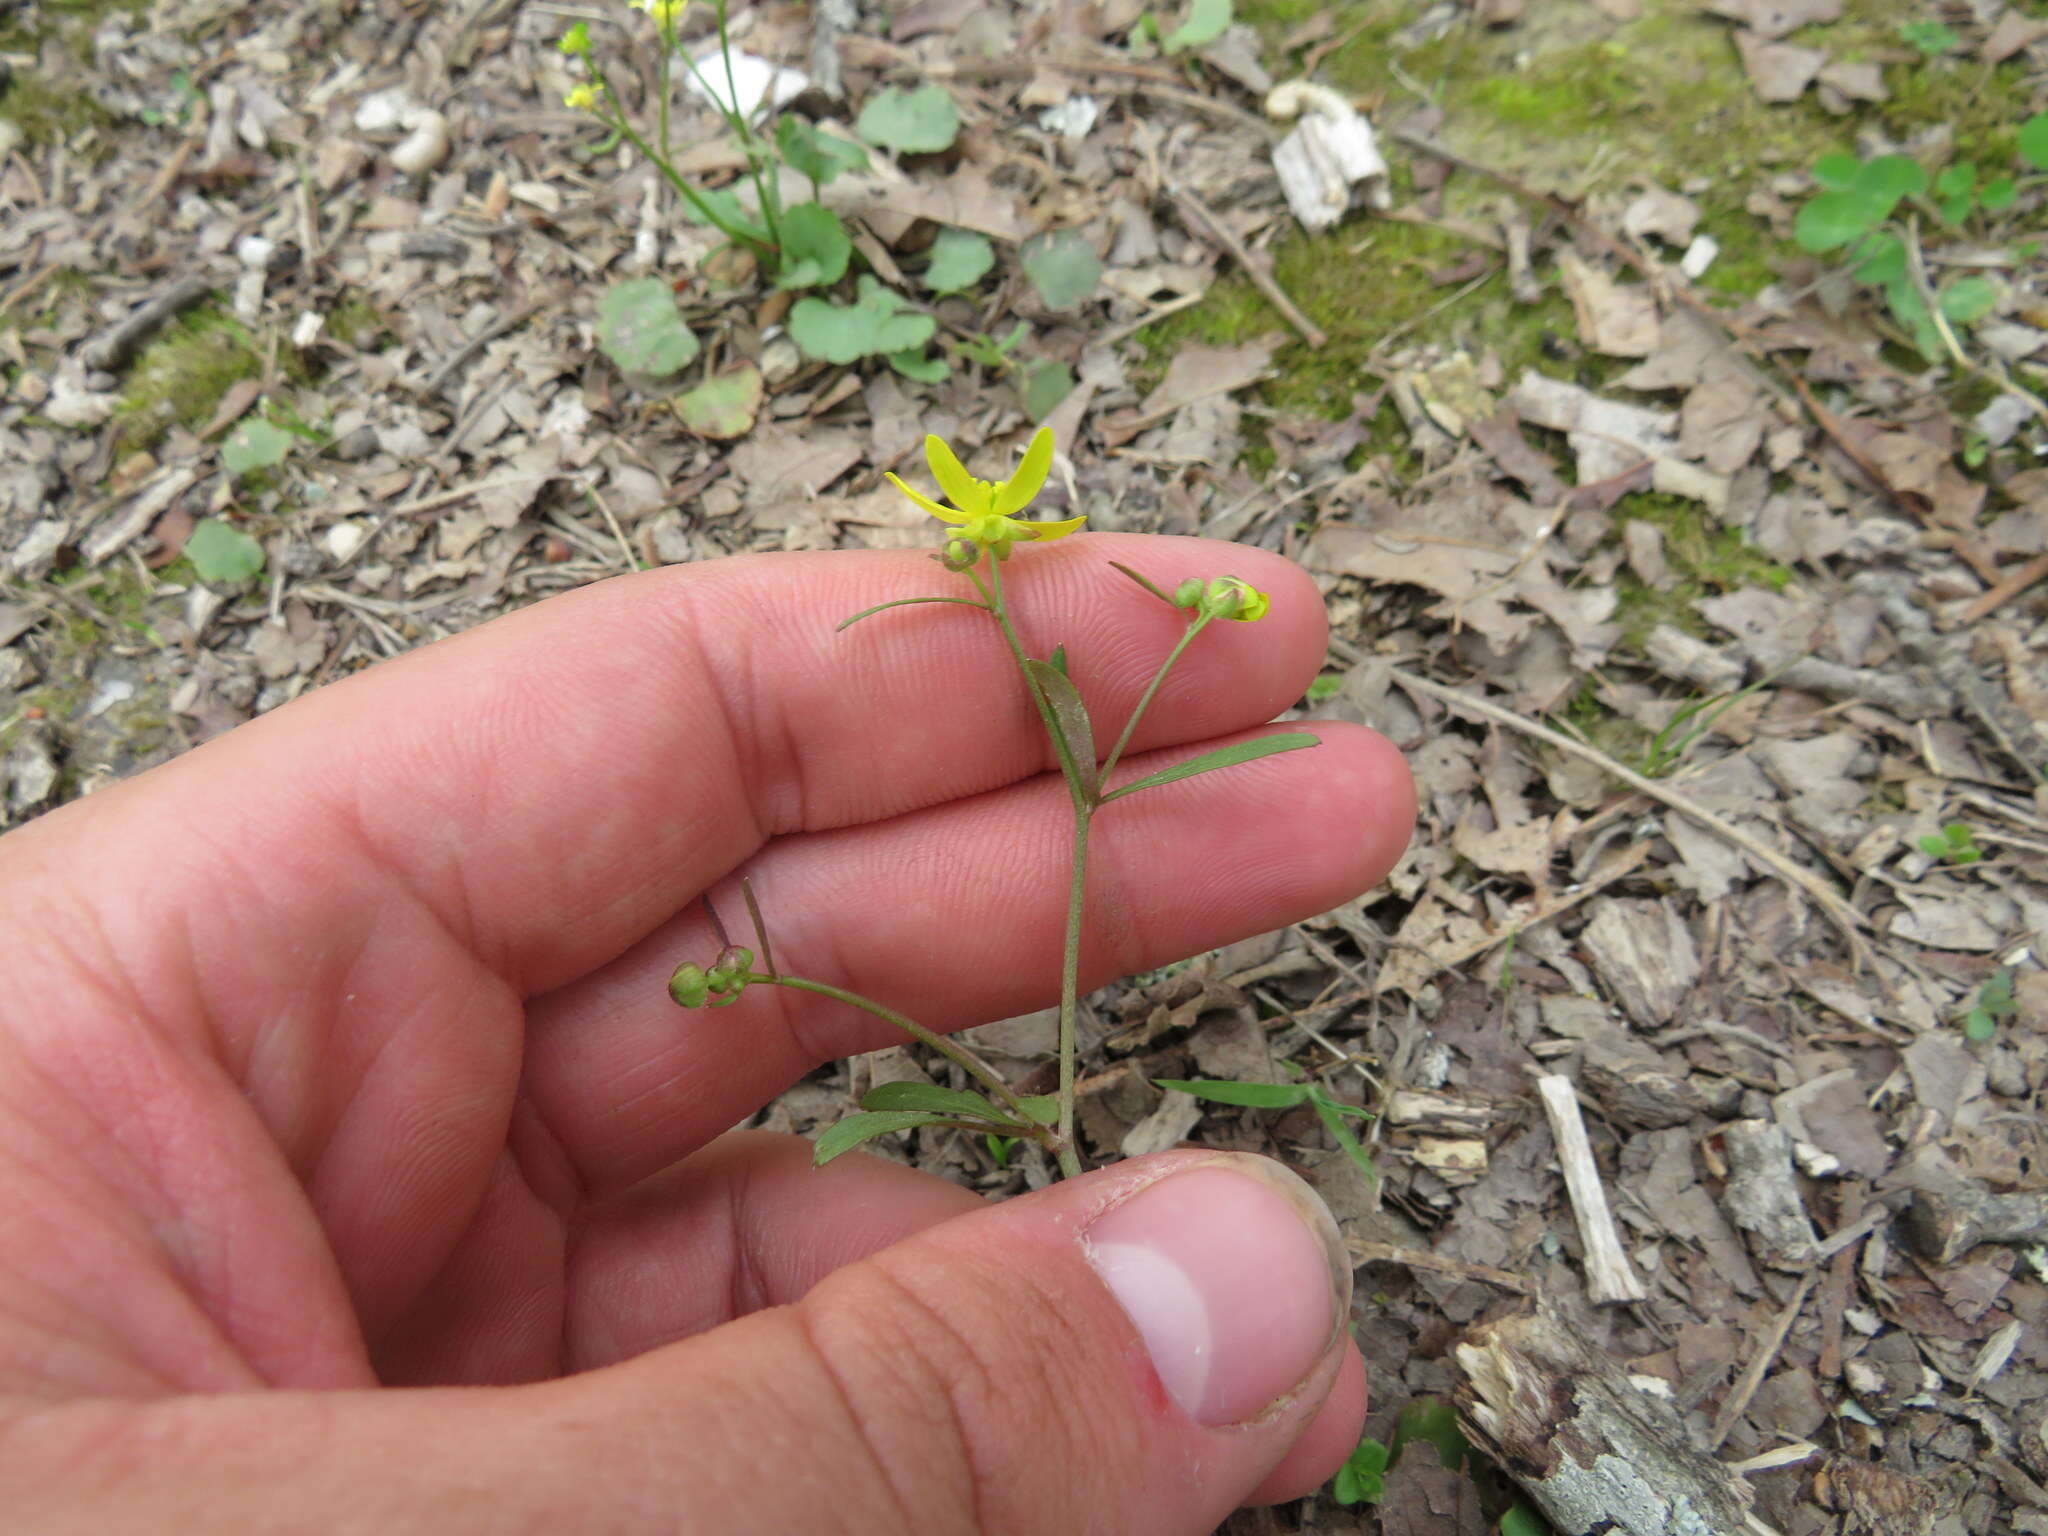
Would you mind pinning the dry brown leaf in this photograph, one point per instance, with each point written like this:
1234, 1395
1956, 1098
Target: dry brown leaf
1778, 72
1615, 318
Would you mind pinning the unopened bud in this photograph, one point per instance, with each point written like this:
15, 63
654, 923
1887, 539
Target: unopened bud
960, 555
689, 987
1188, 593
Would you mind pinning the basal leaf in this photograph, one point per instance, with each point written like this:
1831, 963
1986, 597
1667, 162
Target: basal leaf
1207, 21
1889, 178
1062, 267
1832, 219
222, 553
960, 259
1879, 260
2034, 141
870, 327
639, 329
866, 1126
921, 366
1046, 384
811, 152
1969, 299
922, 121
1836, 173
1247, 1095
932, 1099
1074, 723
815, 247
1998, 194
1222, 757
724, 406
254, 444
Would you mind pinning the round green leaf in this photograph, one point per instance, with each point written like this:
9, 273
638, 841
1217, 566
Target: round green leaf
810, 151
921, 367
254, 445
1045, 386
1968, 299
2034, 141
1889, 178
222, 553
1836, 173
815, 248
869, 327
960, 259
1879, 260
910, 122
1207, 21
1998, 194
639, 329
1062, 267
725, 406
1831, 219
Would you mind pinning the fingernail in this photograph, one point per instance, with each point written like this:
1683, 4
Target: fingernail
1235, 1277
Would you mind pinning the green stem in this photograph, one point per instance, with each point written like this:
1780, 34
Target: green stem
1151, 688
689, 193
769, 198
954, 1052
668, 54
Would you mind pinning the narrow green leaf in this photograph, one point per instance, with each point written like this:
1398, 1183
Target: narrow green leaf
1341, 1134
1246, 1095
905, 602
1000, 1148
1059, 660
933, 1099
1043, 1108
1074, 724
1222, 757
866, 1126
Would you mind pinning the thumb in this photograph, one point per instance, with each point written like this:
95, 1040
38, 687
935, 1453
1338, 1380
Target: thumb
1131, 1352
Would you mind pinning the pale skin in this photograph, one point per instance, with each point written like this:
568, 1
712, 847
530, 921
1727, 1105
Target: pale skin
335, 1058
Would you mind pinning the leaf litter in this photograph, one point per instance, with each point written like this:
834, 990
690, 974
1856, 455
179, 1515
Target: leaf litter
1703, 603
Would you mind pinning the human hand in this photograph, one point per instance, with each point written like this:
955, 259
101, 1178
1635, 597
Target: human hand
335, 1057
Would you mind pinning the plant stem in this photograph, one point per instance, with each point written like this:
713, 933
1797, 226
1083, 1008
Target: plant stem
668, 54
952, 1050
1067, 1151
770, 199
1151, 688
660, 162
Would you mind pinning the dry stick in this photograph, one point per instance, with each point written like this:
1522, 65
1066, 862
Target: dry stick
484, 338
113, 347
1844, 916
1609, 1275
1203, 223
1363, 1251
1765, 1357
2003, 593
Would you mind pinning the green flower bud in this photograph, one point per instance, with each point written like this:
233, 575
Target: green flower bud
1229, 597
689, 987
960, 555
1188, 593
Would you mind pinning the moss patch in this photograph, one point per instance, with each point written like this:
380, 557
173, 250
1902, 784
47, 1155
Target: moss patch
1704, 557
182, 374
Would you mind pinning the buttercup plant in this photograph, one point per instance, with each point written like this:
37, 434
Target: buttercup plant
984, 526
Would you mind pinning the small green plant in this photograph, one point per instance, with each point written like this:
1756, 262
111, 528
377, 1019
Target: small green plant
1363, 1477
1331, 1112
1668, 747
222, 554
1932, 38
1433, 1422
1853, 212
1955, 843
983, 527
1994, 1002
1325, 687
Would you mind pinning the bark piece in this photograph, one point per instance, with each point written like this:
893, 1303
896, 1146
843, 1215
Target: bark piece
1945, 1224
1634, 1086
1609, 1276
1644, 954
1762, 1196
1591, 1449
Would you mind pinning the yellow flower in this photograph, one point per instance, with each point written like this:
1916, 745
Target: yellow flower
985, 511
583, 98
664, 12
1228, 597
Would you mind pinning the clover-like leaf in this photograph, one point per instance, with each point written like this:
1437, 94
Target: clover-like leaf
639, 329
872, 326
1207, 21
222, 553
810, 151
960, 259
1888, 178
815, 247
255, 444
866, 1126
1363, 1477
1062, 267
1832, 219
724, 406
922, 121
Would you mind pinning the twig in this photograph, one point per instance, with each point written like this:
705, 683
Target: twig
1365, 1252
113, 347
1916, 269
1203, 223
1609, 1275
1844, 916
1752, 1377
2004, 592
484, 338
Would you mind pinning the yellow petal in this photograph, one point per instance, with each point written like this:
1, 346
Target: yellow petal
1056, 530
961, 488
1015, 493
946, 514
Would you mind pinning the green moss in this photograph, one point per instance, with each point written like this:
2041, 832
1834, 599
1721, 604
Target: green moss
355, 322
181, 376
48, 114
1705, 559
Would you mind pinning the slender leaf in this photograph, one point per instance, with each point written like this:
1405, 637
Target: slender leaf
932, 1099
1222, 757
1042, 1107
1074, 724
1247, 1095
1341, 1134
855, 1129
905, 602
1146, 584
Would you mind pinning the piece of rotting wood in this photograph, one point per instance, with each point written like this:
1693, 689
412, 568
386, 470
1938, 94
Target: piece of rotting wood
1609, 1275
1762, 1195
1594, 1452
1945, 1224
